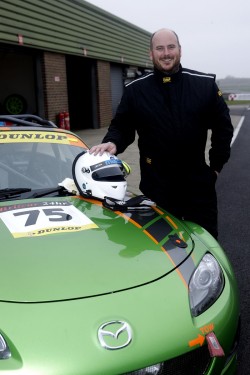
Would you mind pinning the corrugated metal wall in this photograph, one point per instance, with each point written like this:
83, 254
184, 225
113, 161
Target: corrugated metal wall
116, 75
73, 27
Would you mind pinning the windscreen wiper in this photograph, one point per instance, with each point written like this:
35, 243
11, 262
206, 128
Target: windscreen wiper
59, 189
16, 192
11, 192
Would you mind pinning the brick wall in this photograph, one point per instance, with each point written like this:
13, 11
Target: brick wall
104, 100
55, 88
55, 84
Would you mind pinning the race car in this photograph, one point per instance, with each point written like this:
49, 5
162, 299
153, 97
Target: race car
100, 284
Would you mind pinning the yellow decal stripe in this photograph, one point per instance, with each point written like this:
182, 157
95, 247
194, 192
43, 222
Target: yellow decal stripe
40, 136
54, 230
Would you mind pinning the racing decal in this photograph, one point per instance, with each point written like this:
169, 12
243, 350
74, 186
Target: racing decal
44, 218
111, 161
143, 218
171, 222
199, 340
40, 136
186, 268
158, 227
207, 328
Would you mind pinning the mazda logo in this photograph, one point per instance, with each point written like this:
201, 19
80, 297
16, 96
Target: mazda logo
115, 334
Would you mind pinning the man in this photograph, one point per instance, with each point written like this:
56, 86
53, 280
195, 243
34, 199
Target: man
172, 109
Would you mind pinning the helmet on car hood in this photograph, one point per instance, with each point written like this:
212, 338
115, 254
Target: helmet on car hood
100, 176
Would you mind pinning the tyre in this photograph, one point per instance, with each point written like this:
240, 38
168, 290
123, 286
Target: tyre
15, 104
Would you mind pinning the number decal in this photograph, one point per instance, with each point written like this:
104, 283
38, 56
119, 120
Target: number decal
32, 218
61, 216
33, 215
27, 221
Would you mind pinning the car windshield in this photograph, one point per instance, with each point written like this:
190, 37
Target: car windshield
36, 165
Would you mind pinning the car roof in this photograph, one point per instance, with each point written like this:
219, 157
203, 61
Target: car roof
26, 120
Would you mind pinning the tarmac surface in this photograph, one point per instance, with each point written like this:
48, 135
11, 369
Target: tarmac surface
131, 155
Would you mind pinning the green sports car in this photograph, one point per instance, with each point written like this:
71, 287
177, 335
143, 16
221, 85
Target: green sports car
90, 290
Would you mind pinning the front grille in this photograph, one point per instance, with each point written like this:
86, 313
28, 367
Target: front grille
195, 362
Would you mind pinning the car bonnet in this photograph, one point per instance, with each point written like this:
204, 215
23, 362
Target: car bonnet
68, 248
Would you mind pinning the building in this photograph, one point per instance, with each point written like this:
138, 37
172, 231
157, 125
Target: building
239, 96
67, 55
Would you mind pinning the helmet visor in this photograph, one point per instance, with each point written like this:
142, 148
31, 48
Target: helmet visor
111, 173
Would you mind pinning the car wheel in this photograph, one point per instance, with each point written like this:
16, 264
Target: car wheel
15, 104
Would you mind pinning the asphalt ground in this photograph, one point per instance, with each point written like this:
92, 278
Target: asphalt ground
233, 191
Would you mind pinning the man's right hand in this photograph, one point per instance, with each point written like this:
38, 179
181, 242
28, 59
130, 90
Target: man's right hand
101, 148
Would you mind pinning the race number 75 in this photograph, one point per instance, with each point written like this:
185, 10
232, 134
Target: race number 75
53, 215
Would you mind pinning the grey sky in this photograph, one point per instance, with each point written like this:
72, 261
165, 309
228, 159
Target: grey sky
215, 34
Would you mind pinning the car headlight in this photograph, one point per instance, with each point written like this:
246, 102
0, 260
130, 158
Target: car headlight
4, 349
205, 285
151, 370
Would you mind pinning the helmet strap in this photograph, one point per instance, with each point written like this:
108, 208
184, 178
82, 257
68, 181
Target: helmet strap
137, 203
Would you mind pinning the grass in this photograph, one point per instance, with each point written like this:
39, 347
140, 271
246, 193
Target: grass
238, 102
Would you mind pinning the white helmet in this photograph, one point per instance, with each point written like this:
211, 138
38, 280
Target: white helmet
100, 176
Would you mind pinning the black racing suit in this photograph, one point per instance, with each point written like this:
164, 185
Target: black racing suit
172, 115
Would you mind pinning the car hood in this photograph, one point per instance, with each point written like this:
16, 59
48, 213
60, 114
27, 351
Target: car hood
55, 249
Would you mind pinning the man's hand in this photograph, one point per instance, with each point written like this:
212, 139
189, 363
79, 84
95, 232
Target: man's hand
101, 148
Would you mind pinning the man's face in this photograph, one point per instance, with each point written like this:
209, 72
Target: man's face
165, 52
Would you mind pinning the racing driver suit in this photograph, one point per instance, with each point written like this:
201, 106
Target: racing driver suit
172, 115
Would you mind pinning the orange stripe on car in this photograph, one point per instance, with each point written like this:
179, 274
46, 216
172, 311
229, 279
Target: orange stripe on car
151, 237
169, 257
171, 222
128, 218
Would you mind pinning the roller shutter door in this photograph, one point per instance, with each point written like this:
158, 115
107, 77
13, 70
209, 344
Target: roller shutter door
117, 86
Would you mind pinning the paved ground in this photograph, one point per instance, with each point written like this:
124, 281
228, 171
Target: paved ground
233, 191
131, 155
